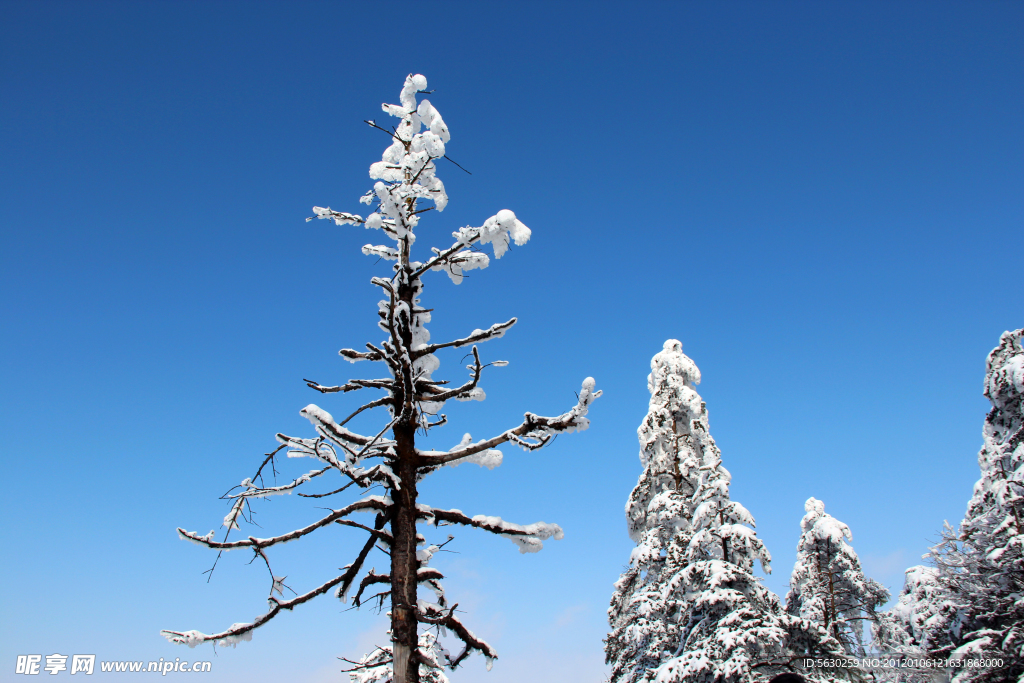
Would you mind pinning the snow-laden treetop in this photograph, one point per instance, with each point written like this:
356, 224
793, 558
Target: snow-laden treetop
1004, 381
672, 369
996, 506
674, 398
819, 526
670, 452
405, 174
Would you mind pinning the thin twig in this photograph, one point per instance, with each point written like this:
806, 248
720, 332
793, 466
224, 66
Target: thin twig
455, 162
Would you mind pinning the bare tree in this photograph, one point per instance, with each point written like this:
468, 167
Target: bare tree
413, 401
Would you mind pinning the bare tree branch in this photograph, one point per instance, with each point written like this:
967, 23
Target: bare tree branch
378, 533
371, 578
496, 330
539, 429
372, 404
322, 420
372, 503
464, 390
259, 492
243, 631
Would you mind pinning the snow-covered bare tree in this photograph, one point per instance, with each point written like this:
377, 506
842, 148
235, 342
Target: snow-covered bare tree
828, 585
689, 609
412, 399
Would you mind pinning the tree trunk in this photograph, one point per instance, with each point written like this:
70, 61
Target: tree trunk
404, 566
403, 561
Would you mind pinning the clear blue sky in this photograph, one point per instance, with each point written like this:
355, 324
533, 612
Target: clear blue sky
823, 201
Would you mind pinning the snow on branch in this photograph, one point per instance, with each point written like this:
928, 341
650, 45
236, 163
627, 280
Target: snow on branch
489, 458
239, 632
495, 331
253, 491
314, 448
320, 449
340, 217
501, 230
351, 385
528, 537
386, 253
469, 639
371, 503
535, 431
352, 355
243, 632
466, 392
323, 389
323, 421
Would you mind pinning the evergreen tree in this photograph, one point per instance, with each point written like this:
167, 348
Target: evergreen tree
910, 626
659, 510
914, 627
413, 399
376, 667
688, 609
969, 605
981, 565
828, 585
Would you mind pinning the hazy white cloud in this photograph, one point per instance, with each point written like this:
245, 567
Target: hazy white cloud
571, 614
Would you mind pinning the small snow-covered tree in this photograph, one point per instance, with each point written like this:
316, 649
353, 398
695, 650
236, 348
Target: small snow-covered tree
413, 400
915, 626
689, 609
827, 585
376, 667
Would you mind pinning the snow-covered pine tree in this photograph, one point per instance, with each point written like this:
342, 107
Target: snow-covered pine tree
912, 626
659, 510
827, 585
981, 565
915, 626
375, 667
968, 605
688, 609
413, 400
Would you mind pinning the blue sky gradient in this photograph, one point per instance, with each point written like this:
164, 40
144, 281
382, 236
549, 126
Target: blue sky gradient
822, 201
